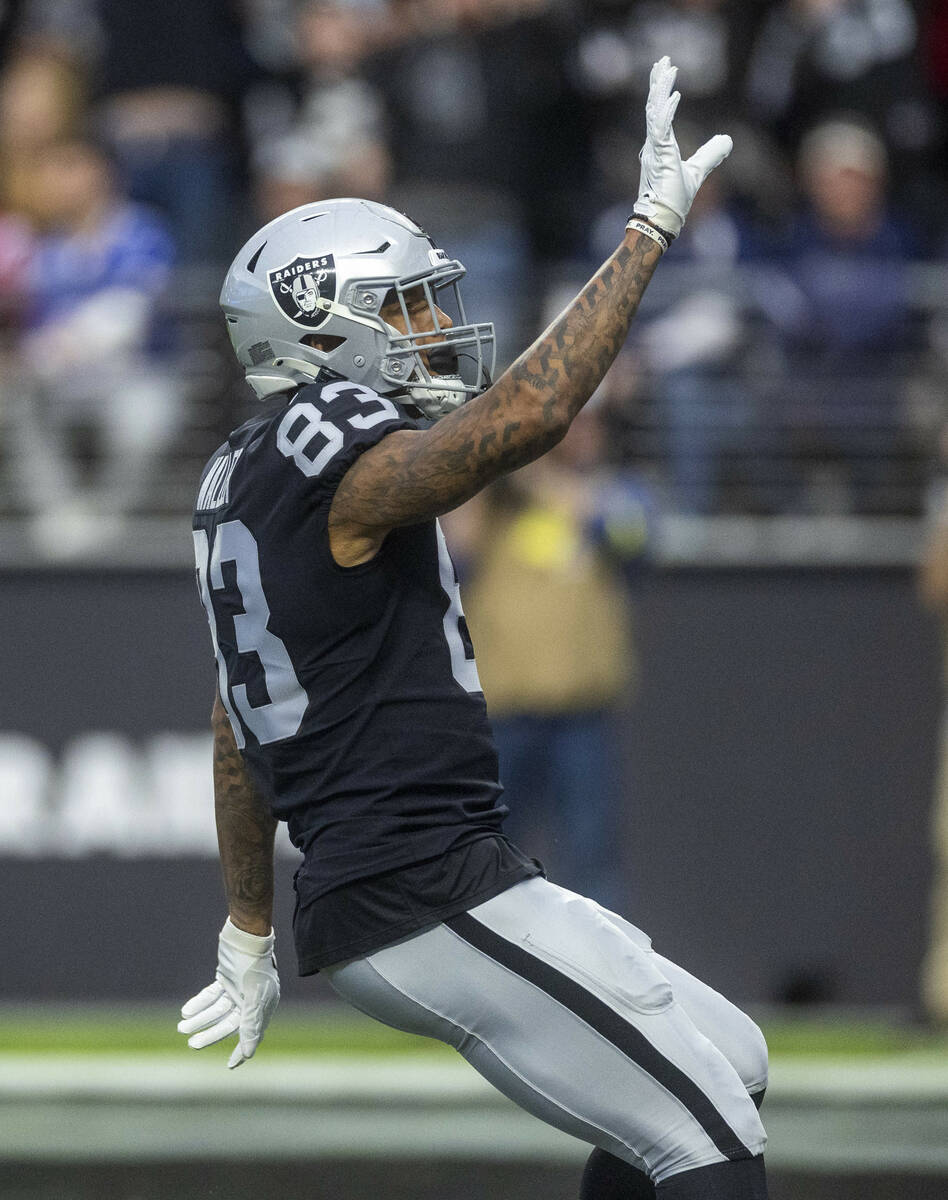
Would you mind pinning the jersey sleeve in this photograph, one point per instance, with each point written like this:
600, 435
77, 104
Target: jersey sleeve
328, 426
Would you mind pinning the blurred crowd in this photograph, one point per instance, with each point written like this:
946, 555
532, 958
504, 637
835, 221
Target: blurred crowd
791, 357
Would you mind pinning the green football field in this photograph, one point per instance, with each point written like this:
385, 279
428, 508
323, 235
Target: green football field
100, 1102
326, 1029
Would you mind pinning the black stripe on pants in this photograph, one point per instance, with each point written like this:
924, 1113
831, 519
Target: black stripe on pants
606, 1022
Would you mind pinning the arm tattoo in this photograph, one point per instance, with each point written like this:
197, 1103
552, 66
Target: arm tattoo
412, 476
245, 832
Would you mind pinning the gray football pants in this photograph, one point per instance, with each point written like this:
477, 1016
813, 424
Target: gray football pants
565, 1008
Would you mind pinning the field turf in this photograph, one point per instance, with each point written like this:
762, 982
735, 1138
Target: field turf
328, 1030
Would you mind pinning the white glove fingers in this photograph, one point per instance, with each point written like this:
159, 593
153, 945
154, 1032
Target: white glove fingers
250, 1038
256, 1016
242, 1052
204, 999
260, 1001
224, 1028
246, 1048
242, 998
261, 996
709, 156
661, 84
661, 80
668, 115
659, 124
208, 1016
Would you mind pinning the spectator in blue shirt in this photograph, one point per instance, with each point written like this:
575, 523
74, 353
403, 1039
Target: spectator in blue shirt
838, 302
87, 353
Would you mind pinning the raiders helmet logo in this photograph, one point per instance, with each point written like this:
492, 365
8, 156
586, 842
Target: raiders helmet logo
298, 287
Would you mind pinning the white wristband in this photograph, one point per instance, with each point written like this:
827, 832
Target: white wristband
649, 231
247, 943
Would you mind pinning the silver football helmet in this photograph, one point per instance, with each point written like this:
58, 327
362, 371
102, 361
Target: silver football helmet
307, 290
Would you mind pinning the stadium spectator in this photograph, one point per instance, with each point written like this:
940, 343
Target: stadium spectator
696, 340
290, 170
335, 145
713, 38
549, 551
170, 79
619, 41
98, 268
839, 304
693, 344
816, 58
341, 112
694, 349
486, 134
42, 98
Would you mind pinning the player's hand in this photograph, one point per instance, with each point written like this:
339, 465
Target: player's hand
667, 185
242, 998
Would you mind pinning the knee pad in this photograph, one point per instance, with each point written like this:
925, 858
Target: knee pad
749, 1058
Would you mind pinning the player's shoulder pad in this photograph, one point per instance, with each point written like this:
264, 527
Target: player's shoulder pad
328, 424
221, 449
339, 397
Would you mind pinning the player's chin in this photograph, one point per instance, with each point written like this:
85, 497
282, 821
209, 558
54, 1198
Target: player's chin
441, 362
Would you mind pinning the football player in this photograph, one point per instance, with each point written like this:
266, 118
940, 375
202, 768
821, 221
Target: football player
349, 703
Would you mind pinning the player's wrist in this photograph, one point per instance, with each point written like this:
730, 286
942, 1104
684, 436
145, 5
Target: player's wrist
663, 218
649, 229
247, 941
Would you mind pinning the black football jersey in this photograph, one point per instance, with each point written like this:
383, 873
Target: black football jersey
352, 692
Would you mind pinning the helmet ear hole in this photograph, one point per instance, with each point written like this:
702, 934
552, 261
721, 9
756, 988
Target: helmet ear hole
326, 342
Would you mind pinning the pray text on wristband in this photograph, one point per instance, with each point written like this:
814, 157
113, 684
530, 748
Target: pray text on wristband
649, 231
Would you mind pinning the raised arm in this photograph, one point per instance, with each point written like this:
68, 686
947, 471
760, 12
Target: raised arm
412, 476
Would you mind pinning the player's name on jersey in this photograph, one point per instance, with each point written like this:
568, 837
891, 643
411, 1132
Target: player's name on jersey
215, 490
302, 266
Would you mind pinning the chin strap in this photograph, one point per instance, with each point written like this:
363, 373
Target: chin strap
435, 402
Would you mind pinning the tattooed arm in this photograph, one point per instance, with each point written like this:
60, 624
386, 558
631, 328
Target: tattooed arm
409, 477
245, 990
245, 831
412, 476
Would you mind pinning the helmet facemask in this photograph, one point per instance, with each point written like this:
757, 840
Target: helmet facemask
446, 360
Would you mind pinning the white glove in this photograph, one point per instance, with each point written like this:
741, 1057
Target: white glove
242, 998
667, 186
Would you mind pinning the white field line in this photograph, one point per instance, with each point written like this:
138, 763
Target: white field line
883, 1081
329, 1079
322, 1080
835, 1116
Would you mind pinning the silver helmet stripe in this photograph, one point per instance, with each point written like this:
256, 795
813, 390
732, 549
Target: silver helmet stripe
330, 306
